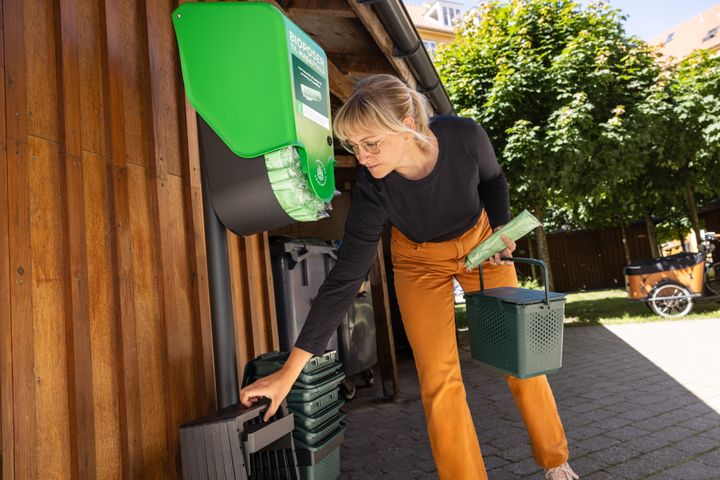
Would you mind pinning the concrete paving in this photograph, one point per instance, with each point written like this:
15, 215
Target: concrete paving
638, 401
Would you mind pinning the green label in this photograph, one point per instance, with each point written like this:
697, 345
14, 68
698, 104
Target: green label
310, 93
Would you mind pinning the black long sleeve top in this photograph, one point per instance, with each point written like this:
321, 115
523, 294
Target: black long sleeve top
441, 206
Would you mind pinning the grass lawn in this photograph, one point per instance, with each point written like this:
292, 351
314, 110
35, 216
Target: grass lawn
608, 307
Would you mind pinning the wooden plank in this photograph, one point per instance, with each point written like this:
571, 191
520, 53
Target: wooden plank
372, 23
340, 85
242, 314
383, 326
207, 399
163, 141
253, 272
361, 63
90, 66
42, 74
98, 228
345, 161
136, 103
7, 431
269, 292
47, 237
149, 340
80, 379
121, 242
101, 317
22, 459
321, 8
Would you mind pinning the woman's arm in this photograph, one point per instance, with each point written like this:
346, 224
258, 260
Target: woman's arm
363, 229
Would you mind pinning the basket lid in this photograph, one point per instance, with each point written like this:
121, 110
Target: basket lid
519, 296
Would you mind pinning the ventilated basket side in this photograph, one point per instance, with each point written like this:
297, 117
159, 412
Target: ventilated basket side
521, 340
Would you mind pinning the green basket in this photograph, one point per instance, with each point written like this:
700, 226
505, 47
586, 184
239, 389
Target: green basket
516, 330
314, 421
326, 469
314, 406
320, 462
305, 393
320, 433
317, 369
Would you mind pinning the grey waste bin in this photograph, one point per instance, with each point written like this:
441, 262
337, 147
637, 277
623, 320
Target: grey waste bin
299, 268
356, 334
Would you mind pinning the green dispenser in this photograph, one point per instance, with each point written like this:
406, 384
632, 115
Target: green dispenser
260, 87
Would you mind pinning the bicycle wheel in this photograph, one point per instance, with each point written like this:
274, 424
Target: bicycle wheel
671, 300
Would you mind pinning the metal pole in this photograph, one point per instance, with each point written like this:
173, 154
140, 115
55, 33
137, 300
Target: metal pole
221, 310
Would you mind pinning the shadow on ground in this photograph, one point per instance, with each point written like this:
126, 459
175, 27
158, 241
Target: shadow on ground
637, 402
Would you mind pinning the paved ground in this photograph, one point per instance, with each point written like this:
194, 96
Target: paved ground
637, 401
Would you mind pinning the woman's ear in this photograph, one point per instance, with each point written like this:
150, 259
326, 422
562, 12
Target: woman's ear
409, 122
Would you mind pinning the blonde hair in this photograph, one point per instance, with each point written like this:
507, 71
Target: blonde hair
380, 103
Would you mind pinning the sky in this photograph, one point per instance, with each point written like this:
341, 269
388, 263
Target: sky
646, 18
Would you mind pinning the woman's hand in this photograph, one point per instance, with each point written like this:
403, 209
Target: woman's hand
495, 259
274, 386
277, 385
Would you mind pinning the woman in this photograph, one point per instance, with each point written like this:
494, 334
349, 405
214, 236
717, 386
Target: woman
439, 184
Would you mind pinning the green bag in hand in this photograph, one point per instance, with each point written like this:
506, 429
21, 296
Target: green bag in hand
515, 229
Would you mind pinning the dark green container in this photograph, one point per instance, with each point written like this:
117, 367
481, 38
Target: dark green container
516, 330
314, 406
306, 393
320, 462
321, 433
312, 422
317, 369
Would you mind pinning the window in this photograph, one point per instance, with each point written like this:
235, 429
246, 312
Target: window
669, 38
710, 34
450, 15
430, 47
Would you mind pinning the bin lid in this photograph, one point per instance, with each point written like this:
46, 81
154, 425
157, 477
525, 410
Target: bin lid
519, 296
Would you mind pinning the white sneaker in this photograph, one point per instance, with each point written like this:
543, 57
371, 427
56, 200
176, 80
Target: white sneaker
563, 472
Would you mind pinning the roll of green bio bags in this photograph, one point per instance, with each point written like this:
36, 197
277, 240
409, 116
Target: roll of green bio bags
515, 229
291, 187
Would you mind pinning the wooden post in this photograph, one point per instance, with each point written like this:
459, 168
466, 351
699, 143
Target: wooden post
383, 326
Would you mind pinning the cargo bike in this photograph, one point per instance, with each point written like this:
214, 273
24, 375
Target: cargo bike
671, 285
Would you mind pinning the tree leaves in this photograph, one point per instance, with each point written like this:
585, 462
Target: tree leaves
584, 118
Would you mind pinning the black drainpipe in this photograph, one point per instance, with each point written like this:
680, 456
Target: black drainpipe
221, 308
408, 45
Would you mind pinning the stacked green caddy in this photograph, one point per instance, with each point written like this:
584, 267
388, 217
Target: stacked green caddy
315, 403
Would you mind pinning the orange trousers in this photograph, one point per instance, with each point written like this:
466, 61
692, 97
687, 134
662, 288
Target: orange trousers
423, 282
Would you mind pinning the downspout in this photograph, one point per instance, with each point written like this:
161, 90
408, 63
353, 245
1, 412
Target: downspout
409, 46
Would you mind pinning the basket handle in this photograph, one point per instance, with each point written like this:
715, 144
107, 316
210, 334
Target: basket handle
532, 261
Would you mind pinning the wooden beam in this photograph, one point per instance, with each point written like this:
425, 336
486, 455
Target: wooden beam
321, 8
383, 326
370, 20
340, 85
361, 63
345, 161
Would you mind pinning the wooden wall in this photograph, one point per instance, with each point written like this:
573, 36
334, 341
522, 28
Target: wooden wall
105, 343
587, 260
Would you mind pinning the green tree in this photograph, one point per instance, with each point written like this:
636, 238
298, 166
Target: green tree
557, 87
692, 135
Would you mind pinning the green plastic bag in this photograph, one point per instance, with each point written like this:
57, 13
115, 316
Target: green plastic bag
515, 229
291, 187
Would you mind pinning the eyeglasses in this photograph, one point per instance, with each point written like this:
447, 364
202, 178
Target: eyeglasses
370, 147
